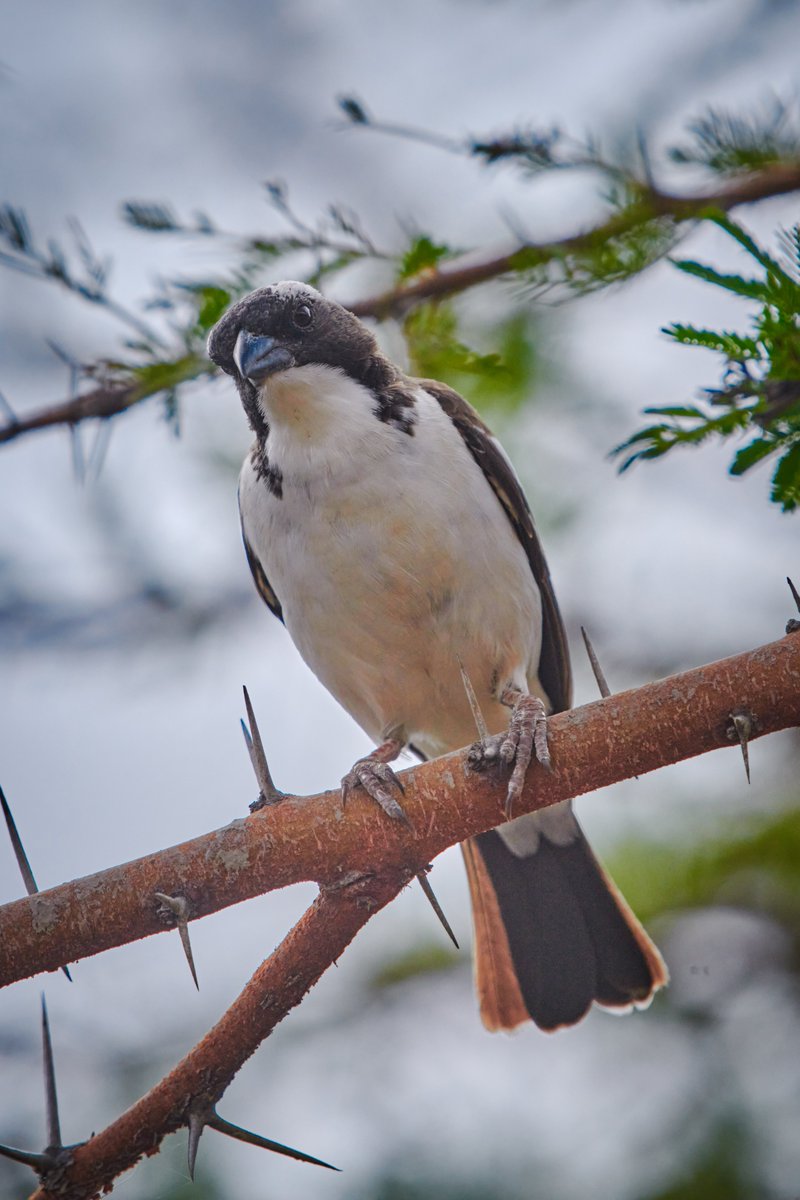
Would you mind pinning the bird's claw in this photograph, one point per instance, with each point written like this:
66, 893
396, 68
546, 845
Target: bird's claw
525, 738
373, 776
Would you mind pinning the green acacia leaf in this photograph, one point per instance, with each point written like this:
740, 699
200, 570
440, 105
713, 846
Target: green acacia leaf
166, 376
735, 346
746, 242
422, 255
213, 302
676, 410
786, 480
753, 289
751, 454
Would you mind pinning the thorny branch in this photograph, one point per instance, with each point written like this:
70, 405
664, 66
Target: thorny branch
457, 276
306, 838
361, 863
197, 1082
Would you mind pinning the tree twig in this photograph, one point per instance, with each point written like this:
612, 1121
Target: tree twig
460, 275
100, 402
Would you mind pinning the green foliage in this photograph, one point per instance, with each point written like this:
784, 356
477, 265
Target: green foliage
760, 392
422, 255
499, 381
429, 958
726, 143
721, 1171
152, 363
753, 863
641, 241
164, 350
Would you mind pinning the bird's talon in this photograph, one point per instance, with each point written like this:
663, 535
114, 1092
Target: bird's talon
371, 774
525, 739
508, 750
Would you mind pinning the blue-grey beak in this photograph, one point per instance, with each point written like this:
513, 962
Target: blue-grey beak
258, 356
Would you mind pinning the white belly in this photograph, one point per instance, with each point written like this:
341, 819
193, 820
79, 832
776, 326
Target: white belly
389, 571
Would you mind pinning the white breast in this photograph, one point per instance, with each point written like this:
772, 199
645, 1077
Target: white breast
391, 557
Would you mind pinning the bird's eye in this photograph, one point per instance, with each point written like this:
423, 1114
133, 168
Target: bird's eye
302, 316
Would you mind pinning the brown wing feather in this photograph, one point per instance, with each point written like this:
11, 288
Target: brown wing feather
262, 583
555, 674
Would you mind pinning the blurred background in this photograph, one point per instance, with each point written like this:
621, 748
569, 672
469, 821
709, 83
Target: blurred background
128, 621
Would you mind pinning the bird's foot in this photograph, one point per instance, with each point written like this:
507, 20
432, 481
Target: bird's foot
525, 738
376, 777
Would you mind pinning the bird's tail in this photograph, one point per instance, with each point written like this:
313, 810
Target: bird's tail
553, 935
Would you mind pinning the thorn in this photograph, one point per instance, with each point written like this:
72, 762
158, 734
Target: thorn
11, 416
215, 1121
477, 715
40, 1163
198, 1119
53, 1124
605, 690
97, 454
793, 625
743, 731
21, 857
19, 849
179, 907
78, 461
424, 883
63, 355
255, 748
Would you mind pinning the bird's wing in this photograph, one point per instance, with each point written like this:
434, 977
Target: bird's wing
555, 674
262, 583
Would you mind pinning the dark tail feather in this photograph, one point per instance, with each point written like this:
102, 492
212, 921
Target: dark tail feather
553, 935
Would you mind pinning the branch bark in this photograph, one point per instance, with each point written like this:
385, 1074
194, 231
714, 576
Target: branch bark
362, 863
318, 939
450, 280
456, 277
305, 838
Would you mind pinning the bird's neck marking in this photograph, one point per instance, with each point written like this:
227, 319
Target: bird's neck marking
395, 406
265, 470
321, 421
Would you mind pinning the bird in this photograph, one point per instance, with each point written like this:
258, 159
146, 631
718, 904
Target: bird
385, 526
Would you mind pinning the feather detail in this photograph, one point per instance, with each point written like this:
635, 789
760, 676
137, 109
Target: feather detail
499, 995
555, 673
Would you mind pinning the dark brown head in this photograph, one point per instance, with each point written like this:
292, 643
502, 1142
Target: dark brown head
290, 325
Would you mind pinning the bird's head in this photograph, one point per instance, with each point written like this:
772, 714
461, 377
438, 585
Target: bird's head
304, 362
288, 325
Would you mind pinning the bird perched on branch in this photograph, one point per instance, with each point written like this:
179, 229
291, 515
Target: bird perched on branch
386, 528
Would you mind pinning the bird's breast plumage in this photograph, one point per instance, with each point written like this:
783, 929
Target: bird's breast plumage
391, 558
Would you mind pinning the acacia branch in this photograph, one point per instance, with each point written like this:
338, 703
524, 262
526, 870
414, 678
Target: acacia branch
776, 180
631, 733
100, 403
196, 1084
458, 276
305, 838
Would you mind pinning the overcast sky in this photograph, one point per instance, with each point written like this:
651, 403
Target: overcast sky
119, 732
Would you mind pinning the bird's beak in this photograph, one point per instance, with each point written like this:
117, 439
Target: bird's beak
258, 356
